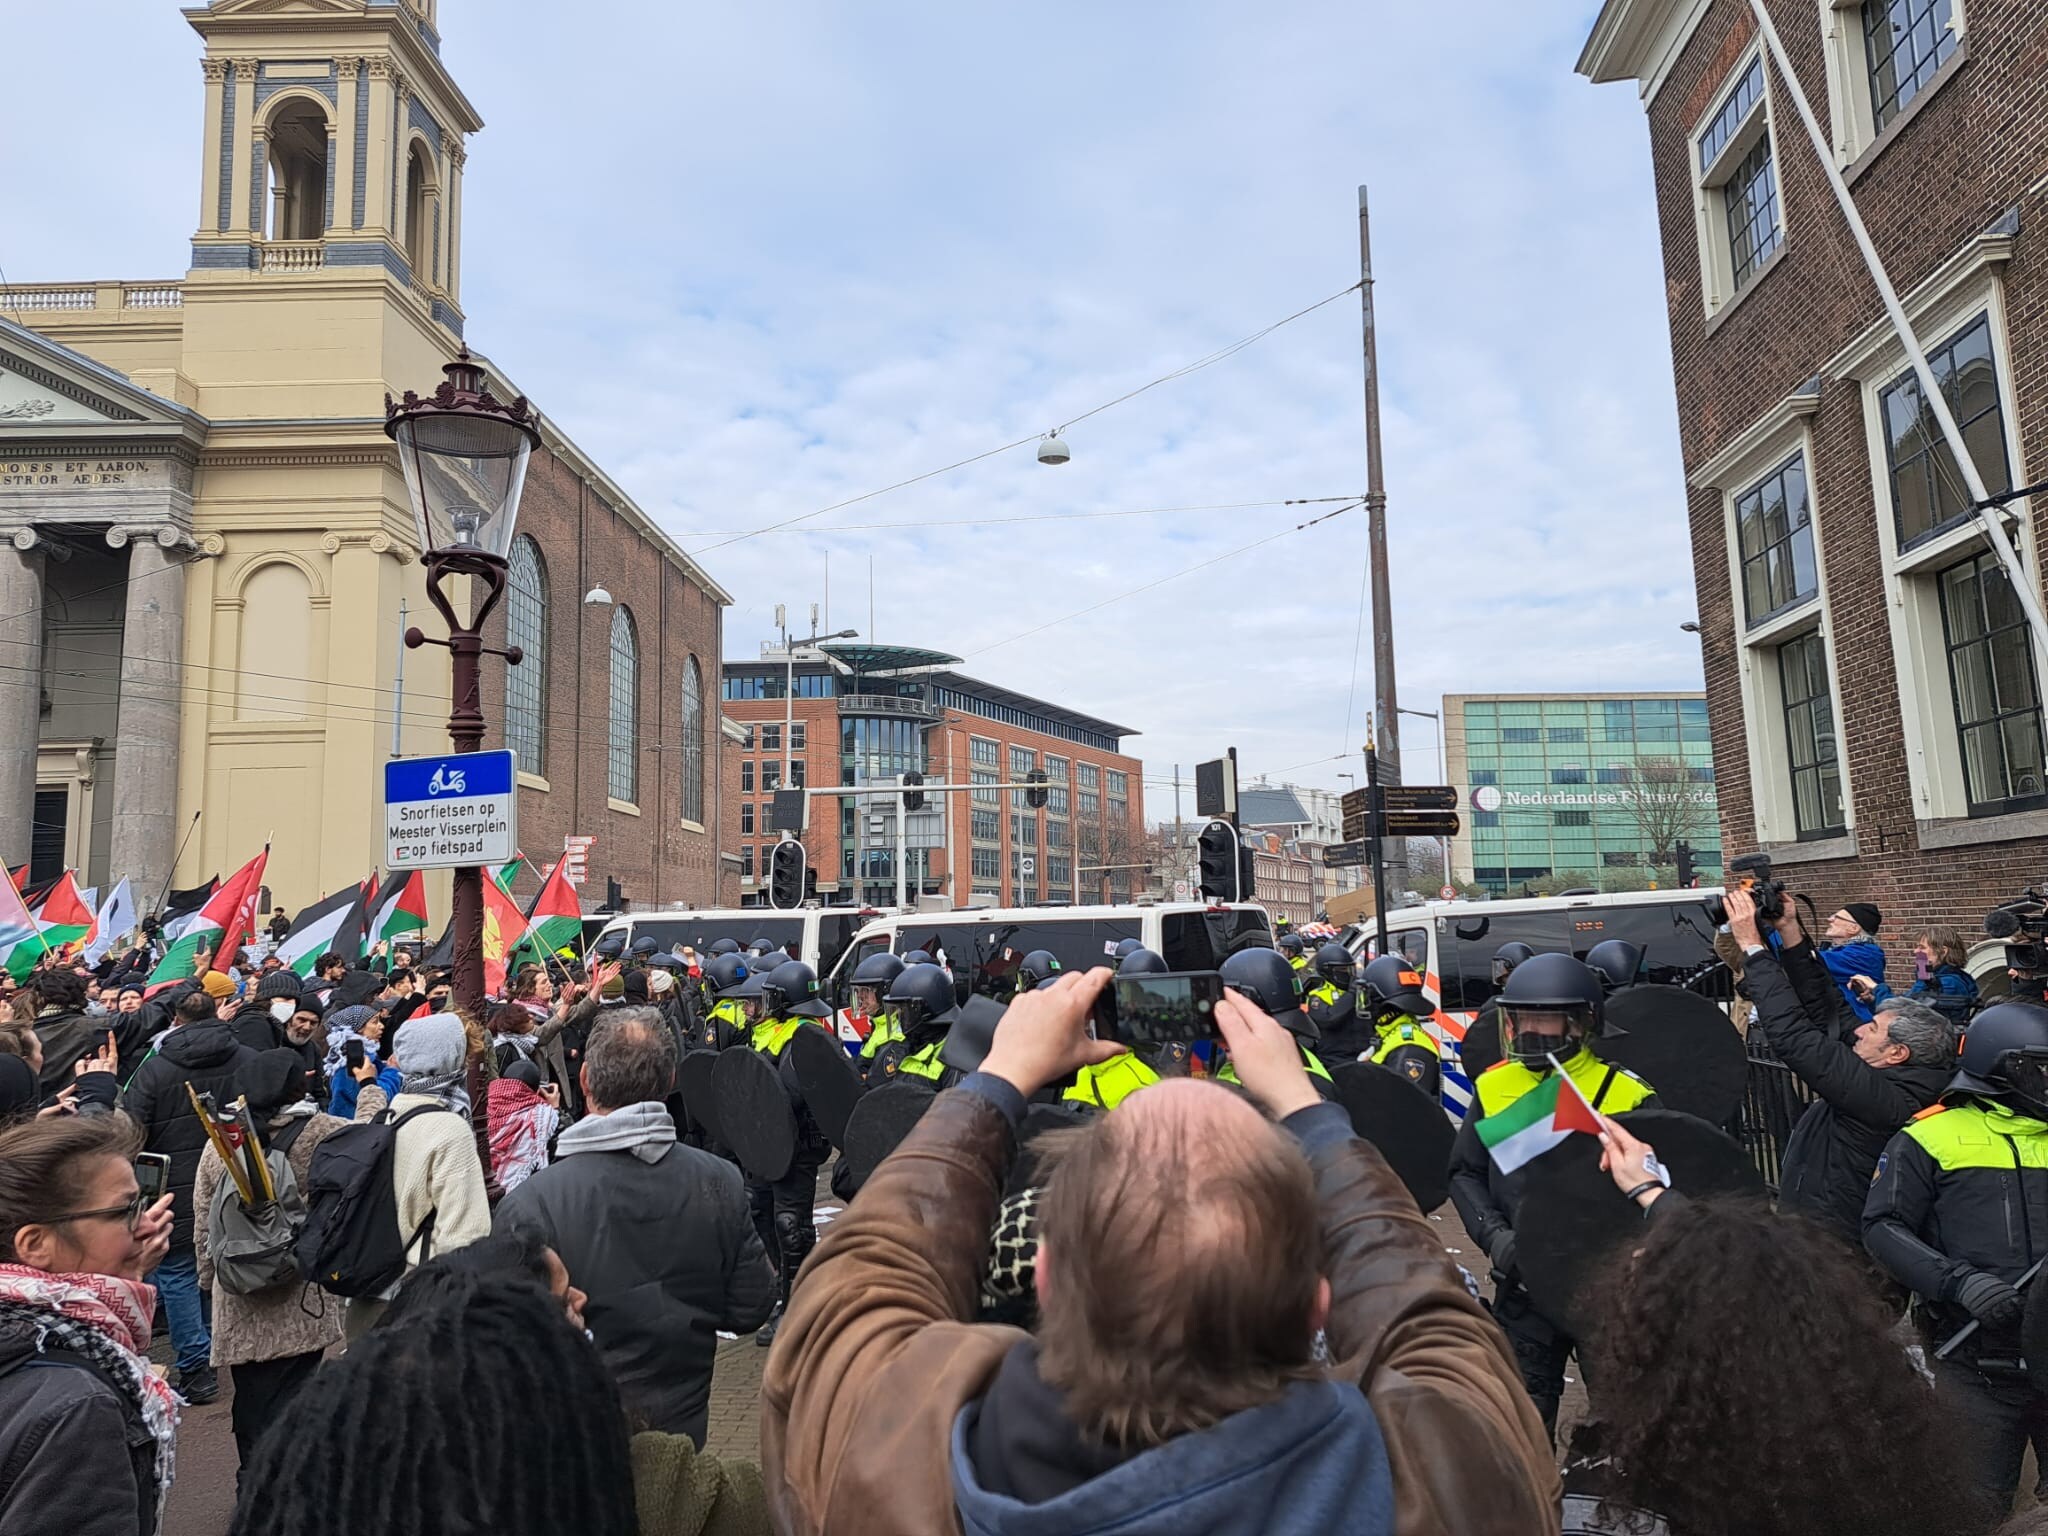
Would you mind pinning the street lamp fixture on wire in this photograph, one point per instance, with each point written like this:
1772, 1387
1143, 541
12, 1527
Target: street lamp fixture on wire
464, 454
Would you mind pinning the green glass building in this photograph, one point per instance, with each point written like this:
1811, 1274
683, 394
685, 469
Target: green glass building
1596, 786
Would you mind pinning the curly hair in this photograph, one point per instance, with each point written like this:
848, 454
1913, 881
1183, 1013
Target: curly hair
1743, 1360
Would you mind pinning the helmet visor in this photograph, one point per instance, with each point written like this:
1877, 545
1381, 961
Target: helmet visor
1339, 976
2027, 1073
1531, 1033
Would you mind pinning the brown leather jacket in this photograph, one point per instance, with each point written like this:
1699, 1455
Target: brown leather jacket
875, 1361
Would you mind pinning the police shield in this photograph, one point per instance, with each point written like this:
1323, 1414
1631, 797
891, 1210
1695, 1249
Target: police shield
878, 1124
973, 1031
1408, 1126
1682, 1045
827, 1079
1573, 1219
753, 1113
693, 1078
2034, 1333
1480, 1048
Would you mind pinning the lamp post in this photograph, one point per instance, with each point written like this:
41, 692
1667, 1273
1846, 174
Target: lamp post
464, 454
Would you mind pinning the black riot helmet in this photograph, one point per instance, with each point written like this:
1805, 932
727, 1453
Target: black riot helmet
1616, 962
1394, 987
1124, 948
1142, 962
791, 991
645, 946
923, 995
1334, 964
878, 970
1506, 958
2005, 1056
725, 946
725, 972
919, 957
761, 946
1290, 944
1551, 1005
1038, 967
1264, 976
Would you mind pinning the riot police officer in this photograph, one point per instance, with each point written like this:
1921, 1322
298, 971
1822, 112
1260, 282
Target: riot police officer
1344, 1033
1486, 1022
1401, 1042
1270, 980
871, 978
1616, 962
1552, 1006
1291, 945
1036, 969
783, 1210
925, 1008
1959, 1213
727, 1021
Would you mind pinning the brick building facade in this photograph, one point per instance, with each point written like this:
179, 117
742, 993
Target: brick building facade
1875, 704
614, 713
864, 715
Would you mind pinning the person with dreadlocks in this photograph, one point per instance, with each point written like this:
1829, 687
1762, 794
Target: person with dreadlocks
88, 1430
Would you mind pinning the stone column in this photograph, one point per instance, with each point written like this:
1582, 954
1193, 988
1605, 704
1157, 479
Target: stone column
21, 688
454, 156
377, 151
209, 166
342, 222
152, 668
245, 206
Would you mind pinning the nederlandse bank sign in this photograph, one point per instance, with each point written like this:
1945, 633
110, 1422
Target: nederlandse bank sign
1589, 799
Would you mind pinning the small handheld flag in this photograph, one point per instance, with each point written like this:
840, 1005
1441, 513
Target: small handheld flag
1540, 1119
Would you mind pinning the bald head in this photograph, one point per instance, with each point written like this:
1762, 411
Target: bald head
1180, 1265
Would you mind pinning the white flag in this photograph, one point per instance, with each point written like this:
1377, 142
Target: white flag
115, 922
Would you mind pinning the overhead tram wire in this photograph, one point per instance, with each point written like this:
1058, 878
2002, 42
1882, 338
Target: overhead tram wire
1046, 517
1166, 378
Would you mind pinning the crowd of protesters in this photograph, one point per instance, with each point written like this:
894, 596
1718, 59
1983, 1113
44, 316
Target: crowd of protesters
1239, 1320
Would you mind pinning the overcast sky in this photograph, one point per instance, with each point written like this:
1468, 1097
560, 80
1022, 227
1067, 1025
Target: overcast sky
758, 259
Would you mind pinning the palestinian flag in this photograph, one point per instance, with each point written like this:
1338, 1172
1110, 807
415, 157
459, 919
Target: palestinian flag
398, 908
19, 877
555, 918
504, 929
1540, 1119
64, 915
331, 925
509, 873
21, 942
222, 924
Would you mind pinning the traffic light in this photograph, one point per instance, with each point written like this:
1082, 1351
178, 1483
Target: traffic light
1223, 861
1686, 876
786, 875
913, 798
1247, 872
1036, 795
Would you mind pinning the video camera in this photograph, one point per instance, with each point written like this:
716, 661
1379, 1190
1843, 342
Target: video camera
1751, 873
2023, 924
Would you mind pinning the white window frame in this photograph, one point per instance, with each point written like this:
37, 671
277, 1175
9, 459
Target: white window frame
1852, 113
1710, 217
1750, 457
1966, 286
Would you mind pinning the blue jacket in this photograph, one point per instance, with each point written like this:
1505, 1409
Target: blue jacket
1310, 1464
1858, 959
1950, 989
342, 1102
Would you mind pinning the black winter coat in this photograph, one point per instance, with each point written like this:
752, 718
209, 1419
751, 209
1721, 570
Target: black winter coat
68, 1038
206, 1055
75, 1456
1857, 1108
668, 1255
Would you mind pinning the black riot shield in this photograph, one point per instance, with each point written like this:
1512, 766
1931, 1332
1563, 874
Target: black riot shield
1408, 1126
827, 1078
1682, 1045
700, 1102
973, 1031
754, 1117
880, 1121
1480, 1048
1573, 1219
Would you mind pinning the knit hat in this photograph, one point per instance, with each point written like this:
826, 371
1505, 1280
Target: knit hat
282, 983
633, 986
432, 1045
134, 986
271, 1080
349, 1020
217, 985
1867, 916
524, 1072
660, 983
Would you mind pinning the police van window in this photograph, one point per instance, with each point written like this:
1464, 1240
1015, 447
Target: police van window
701, 932
1676, 938
1411, 944
1466, 942
1202, 941
984, 957
835, 932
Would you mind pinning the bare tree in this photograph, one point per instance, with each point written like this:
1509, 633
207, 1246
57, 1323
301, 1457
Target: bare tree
1666, 805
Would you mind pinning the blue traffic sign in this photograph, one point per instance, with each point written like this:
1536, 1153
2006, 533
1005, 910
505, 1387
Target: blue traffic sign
444, 812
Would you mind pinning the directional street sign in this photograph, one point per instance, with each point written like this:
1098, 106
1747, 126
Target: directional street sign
1422, 823
1418, 797
444, 812
1344, 855
1357, 802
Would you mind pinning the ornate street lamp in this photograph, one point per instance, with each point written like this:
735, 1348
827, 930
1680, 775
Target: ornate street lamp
464, 454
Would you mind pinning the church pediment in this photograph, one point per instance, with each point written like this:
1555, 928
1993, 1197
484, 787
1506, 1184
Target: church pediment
47, 389
287, 7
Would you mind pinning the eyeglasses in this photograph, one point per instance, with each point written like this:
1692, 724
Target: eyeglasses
131, 1212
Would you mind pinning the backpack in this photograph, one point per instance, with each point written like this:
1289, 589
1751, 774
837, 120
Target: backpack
351, 1243
252, 1246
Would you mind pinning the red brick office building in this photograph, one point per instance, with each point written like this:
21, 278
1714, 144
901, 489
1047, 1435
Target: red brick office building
864, 715
1875, 704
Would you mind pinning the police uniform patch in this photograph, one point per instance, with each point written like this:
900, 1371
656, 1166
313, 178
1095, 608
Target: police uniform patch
1883, 1158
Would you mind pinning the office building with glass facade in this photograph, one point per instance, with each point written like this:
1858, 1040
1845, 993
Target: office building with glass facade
1596, 786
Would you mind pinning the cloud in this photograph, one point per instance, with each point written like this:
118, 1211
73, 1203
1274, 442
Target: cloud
761, 259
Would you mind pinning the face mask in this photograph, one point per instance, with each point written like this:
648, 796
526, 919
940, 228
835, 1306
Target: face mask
282, 1011
96, 1007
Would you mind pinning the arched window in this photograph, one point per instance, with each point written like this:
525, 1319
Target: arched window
419, 205
693, 742
526, 685
624, 776
296, 158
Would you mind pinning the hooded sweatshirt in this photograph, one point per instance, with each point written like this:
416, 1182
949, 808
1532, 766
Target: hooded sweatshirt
1311, 1463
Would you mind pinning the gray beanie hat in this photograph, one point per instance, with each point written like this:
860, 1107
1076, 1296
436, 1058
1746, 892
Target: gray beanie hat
431, 1045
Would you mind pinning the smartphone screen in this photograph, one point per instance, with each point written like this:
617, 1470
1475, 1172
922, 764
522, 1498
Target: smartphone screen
1180, 1005
152, 1175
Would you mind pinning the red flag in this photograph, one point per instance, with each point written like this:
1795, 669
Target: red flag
503, 929
19, 877
247, 886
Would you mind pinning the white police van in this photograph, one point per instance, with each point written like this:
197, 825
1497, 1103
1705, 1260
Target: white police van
818, 936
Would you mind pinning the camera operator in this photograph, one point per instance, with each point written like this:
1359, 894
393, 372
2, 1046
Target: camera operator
1865, 1087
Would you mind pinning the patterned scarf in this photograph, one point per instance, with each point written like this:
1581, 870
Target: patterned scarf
106, 1320
521, 1125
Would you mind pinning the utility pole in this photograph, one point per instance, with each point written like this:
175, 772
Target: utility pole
1179, 848
1386, 706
